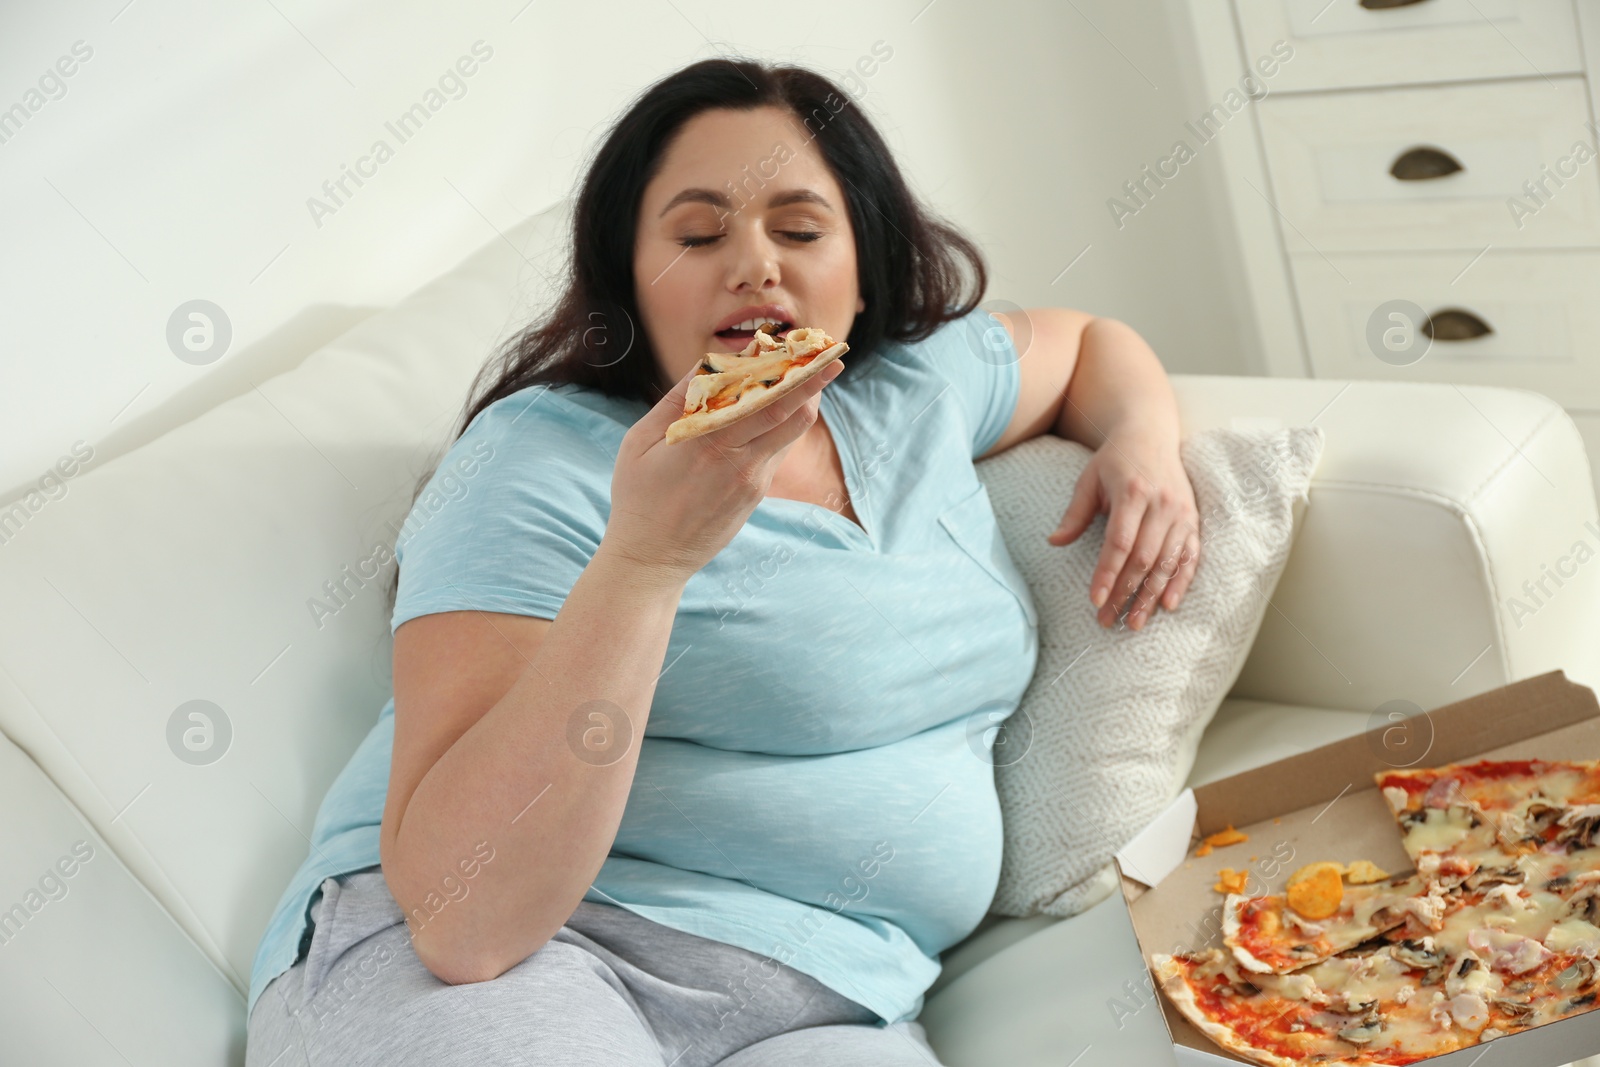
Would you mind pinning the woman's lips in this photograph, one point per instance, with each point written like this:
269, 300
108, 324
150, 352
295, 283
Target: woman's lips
738, 340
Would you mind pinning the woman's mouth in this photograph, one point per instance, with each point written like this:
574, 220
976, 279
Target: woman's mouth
736, 338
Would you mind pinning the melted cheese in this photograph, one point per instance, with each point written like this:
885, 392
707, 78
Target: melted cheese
761, 360
1439, 830
1574, 935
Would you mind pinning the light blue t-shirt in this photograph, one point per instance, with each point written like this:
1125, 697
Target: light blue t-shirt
814, 781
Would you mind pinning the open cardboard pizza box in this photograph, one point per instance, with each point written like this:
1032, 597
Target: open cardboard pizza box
1324, 805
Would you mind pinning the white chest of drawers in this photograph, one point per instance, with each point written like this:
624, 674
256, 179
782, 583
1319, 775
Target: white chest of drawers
1416, 192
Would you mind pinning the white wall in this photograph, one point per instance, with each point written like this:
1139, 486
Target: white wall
178, 161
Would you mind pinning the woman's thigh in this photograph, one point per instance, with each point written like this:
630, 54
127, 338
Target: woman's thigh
849, 1045
379, 1005
610, 987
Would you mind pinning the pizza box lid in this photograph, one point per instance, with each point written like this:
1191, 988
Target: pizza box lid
1323, 804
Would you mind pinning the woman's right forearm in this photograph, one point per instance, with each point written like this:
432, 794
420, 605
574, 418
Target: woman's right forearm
539, 782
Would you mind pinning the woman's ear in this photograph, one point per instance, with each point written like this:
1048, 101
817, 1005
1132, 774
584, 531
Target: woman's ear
861, 304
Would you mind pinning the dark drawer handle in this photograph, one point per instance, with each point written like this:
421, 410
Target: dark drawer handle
1421, 163
1384, 5
1454, 324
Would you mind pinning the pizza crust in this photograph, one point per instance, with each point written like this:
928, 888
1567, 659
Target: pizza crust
754, 398
1169, 974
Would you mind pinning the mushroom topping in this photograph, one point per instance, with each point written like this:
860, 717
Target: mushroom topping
1487, 876
1579, 976
1515, 1011
1578, 827
1416, 954
1581, 904
1362, 1033
1358, 1028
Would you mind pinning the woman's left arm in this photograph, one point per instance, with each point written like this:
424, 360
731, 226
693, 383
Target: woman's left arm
1095, 381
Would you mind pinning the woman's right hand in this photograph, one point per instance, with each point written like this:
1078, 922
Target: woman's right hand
674, 506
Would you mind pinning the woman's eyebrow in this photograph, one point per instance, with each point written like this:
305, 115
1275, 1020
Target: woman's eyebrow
719, 200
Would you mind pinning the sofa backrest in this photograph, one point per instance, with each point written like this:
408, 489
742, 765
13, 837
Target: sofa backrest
193, 576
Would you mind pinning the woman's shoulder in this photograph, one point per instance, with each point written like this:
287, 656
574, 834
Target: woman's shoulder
962, 337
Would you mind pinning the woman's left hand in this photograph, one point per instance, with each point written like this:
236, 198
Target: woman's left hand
1152, 542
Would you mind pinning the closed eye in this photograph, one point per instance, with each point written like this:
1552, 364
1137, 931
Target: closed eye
803, 236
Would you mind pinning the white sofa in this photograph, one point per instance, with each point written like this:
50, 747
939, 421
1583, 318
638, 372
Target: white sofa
184, 569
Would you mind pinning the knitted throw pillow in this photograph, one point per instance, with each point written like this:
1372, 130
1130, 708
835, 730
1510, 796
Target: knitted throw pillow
1106, 732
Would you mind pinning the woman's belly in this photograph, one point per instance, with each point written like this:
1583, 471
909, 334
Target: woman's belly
908, 831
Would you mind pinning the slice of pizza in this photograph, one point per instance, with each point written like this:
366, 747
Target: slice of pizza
730, 386
1484, 809
1386, 1003
1269, 934
1358, 1009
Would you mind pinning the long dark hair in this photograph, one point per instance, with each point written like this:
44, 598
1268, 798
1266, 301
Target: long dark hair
909, 262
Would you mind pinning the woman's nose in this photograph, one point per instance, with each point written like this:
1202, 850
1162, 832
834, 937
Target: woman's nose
755, 263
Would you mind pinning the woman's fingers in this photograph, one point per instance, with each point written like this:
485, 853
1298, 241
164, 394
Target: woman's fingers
1160, 576
1122, 533
1186, 570
1146, 550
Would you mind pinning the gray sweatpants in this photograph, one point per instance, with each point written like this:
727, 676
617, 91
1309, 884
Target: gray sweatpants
610, 989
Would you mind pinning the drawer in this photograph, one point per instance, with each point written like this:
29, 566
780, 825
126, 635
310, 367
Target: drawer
1333, 156
1540, 307
1339, 44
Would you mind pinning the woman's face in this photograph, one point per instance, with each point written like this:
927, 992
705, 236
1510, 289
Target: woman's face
743, 213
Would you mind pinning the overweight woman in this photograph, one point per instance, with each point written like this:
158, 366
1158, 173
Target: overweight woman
688, 756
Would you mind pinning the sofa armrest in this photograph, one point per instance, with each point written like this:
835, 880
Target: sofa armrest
92, 970
1449, 544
